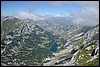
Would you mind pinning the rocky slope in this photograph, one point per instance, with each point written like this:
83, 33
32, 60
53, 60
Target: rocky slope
81, 50
24, 43
27, 42
89, 54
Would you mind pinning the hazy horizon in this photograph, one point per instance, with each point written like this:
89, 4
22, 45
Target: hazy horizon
81, 12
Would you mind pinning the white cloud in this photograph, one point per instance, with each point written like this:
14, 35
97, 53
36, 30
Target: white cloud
89, 14
26, 15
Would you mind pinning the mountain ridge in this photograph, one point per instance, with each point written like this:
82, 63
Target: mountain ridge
29, 39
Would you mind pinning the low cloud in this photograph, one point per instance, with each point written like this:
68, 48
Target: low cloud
27, 15
88, 14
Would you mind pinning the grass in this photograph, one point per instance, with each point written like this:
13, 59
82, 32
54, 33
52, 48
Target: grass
8, 24
91, 44
95, 62
83, 51
79, 42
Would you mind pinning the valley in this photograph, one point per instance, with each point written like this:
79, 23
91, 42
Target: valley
41, 43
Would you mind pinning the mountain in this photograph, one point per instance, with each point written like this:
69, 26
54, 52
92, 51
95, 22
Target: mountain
30, 42
23, 39
50, 18
89, 54
81, 50
59, 19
